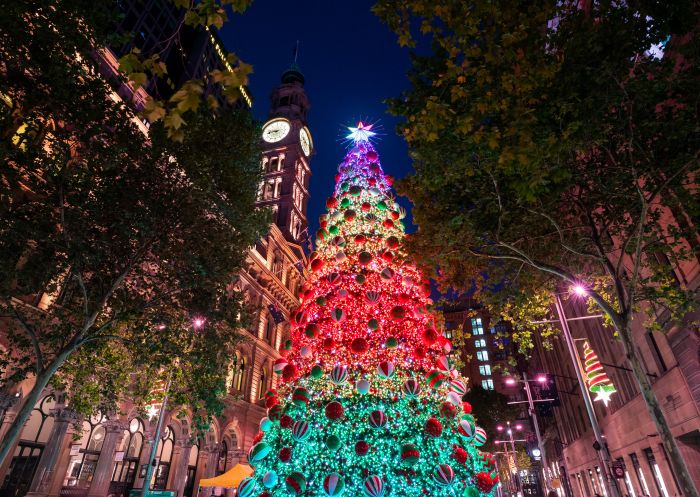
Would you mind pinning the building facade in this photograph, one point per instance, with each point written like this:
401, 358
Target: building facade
111, 453
672, 361
484, 346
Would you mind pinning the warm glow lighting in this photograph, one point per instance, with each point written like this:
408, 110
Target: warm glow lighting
510, 381
499, 428
361, 133
518, 427
579, 290
542, 379
198, 322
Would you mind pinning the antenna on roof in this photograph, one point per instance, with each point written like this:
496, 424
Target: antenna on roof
296, 52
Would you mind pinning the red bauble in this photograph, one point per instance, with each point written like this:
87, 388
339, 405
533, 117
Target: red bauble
430, 336
372, 156
433, 427
316, 265
484, 482
271, 401
404, 298
459, 455
359, 346
289, 372
388, 223
264, 494
372, 181
286, 421
360, 239
285, 454
466, 407
392, 242
329, 344
448, 410
258, 437
389, 179
334, 410
361, 448
332, 202
366, 206
419, 352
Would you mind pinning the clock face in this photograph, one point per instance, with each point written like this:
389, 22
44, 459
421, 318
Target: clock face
305, 140
275, 131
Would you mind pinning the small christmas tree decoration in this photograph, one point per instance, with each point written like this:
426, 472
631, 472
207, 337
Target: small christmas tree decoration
597, 379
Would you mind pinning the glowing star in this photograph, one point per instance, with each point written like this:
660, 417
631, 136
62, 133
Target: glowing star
604, 395
362, 133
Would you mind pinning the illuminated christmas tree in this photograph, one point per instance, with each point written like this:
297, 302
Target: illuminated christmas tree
369, 404
597, 378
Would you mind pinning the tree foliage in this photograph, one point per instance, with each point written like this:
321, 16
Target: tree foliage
112, 241
554, 144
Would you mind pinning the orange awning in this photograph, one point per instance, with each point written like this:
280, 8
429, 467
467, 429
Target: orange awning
231, 479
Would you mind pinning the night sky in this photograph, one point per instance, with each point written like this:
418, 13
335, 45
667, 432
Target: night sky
351, 63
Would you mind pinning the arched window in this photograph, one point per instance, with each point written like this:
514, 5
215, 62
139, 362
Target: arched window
270, 329
28, 452
125, 470
164, 454
81, 467
191, 471
263, 384
238, 378
223, 454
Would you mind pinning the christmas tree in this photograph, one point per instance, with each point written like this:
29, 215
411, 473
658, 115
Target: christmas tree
369, 403
597, 378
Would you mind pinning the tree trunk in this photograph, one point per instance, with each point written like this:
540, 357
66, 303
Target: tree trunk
30, 401
674, 454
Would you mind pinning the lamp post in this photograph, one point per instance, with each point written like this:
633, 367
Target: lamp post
603, 452
509, 431
533, 414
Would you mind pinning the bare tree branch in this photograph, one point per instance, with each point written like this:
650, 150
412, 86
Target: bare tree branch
33, 337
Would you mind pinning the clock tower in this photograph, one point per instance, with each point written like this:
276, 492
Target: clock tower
287, 147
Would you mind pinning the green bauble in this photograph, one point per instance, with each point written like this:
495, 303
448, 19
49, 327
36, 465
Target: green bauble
345, 203
333, 230
373, 324
360, 278
332, 442
471, 492
392, 343
316, 371
381, 205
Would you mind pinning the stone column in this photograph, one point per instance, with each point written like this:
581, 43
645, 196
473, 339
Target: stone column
178, 468
233, 458
7, 420
51, 469
207, 466
99, 486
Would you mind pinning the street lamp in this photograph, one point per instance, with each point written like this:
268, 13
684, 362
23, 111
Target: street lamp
600, 445
533, 414
514, 480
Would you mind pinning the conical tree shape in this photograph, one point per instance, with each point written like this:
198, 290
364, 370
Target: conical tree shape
369, 405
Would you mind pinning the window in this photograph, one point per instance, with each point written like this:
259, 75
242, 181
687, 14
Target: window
221, 464
263, 383
485, 370
238, 376
164, 455
480, 343
487, 384
131, 445
656, 472
482, 355
477, 326
640, 474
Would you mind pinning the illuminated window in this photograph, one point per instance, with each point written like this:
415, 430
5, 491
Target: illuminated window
477, 326
482, 355
487, 384
480, 343
485, 370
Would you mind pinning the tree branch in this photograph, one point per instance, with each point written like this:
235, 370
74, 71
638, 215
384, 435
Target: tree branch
34, 338
562, 241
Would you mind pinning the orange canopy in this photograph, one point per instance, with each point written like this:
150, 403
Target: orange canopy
231, 479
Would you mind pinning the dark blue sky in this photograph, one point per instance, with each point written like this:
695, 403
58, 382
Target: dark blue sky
351, 63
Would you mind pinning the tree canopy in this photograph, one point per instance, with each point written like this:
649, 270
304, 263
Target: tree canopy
112, 241
556, 144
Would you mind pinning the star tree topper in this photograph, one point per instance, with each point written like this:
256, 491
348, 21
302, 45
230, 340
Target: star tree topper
362, 133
